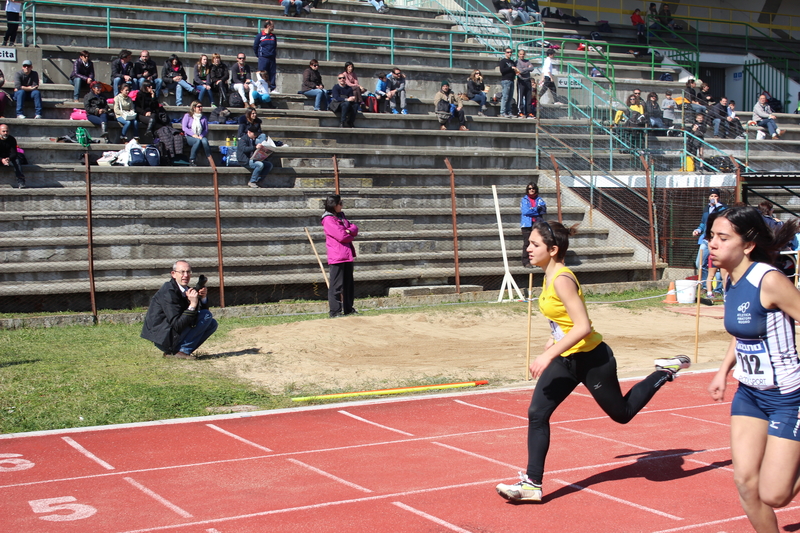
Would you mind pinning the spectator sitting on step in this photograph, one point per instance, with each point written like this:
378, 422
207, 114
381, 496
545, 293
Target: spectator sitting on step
718, 113
635, 110
82, 73
380, 91
504, 9
379, 6
125, 112
242, 79
195, 128
639, 24
26, 84
173, 76
705, 96
763, 116
476, 90
122, 71
351, 80
219, 77
653, 14
694, 144
259, 93
145, 69
178, 320
202, 79
4, 98
653, 112
96, 106
447, 105
313, 87
250, 118
248, 143
345, 100
148, 109
265, 46
665, 17
734, 124
690, 94
298, 7
9, 156
668, 106
396, 93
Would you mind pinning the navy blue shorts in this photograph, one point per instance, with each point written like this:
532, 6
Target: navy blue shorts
782, 411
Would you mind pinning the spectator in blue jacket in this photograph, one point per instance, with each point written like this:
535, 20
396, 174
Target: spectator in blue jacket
532, 208
714, 206
381, 86
82, 73
265, 47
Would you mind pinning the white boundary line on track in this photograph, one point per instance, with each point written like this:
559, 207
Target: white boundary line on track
351, 415
87, 453
477, 455
432, 518
703, 420
720, 521
160, 499
237, 437
273, 412
329, 475
618, 500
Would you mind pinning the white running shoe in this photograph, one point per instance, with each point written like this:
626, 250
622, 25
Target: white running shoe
673, 364
523, 490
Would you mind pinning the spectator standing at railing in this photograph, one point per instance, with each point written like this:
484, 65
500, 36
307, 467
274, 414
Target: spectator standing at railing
313, 87
145, 69
396, 91
173, 76
669, 106
508, 71
26, 84
82, 73
122, 71
476, 90
242, 79
265, 46
13, 9
762, 115
9, 155
524, 89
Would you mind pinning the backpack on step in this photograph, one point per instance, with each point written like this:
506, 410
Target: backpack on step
372, 104
136, 157
235, 100
83, 137
152, 156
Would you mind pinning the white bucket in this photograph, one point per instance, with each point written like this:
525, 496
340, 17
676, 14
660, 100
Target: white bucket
685, 290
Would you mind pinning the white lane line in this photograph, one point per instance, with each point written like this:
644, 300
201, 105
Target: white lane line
157, 497
721, 521
212, 530
329, 475
375, 423
703, 420
237, 437
87, 453
432, 518
605, 438
472, 454
489, 409
618, 500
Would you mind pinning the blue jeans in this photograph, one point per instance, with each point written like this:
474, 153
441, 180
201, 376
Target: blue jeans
193, 337
377, 4
766, 123
97, 120
202, 91
298, 5
179, 87
480, 98
260, 169
20, 97
321, 98
76, 83
195, 143
126, 124
508, 93
717, 122
117, 81
656, 122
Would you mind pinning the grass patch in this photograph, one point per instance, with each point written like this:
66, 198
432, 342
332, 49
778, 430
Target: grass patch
640, 299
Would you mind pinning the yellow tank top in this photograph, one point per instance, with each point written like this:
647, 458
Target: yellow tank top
560, 323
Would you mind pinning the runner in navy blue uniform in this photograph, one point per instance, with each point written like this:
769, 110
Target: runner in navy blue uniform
761, 305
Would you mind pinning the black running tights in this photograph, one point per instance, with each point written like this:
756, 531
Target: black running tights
597, 369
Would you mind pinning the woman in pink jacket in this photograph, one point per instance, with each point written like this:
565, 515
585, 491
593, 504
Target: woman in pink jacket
339, 235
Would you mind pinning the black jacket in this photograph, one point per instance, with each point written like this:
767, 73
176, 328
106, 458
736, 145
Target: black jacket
243, 125
145, 102
218, 73
168, 316
93, 103
507, 69
240, 75
718, 111
118, 69
8, 148
149, 66
245, 149
168, 72
473, 87
653, 109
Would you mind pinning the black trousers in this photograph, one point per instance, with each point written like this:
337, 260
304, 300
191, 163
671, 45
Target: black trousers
597, 370
526, 235
341, 285
524, 96
12, 19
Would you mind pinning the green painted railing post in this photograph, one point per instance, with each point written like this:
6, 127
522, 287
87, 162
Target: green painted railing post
185, 33
327, 41
108, 27
451, 50
391, 40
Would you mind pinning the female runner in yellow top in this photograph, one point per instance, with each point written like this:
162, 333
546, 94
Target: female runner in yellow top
575, 353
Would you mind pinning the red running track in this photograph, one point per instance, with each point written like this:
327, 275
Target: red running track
417, 464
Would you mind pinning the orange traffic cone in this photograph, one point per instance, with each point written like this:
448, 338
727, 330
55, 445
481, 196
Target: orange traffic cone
671, 298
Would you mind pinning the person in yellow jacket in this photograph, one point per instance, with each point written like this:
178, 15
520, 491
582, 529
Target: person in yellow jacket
575, 353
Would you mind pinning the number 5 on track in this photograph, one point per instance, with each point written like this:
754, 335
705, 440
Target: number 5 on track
78, 511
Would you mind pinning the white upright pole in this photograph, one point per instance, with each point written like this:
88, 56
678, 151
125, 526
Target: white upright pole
508, 279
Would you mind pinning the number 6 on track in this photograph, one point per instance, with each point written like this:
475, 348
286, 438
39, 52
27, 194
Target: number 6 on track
16, 464
78, 511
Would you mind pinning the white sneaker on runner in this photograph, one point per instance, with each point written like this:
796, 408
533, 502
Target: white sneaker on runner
522, 491
673, 364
